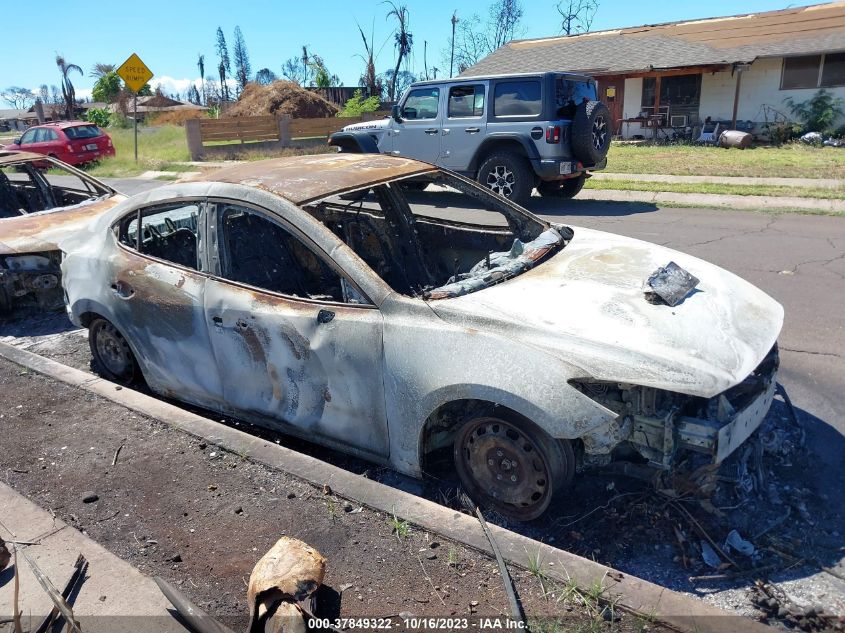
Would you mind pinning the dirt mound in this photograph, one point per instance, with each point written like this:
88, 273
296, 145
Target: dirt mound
281, 97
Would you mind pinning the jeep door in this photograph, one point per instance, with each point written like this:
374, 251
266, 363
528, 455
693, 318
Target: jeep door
418, 134
464, 125
295, 344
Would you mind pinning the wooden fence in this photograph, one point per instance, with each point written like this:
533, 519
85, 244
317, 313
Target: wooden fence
233, 135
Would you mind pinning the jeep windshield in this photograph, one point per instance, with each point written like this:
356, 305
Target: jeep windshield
437, 235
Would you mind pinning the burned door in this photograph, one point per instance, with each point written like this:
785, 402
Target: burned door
294, 342
156, 291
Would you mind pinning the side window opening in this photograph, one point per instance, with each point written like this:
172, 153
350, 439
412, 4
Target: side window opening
167, 232
517, 98
23, 190
422, 103
435, 231
259, 252
466, 101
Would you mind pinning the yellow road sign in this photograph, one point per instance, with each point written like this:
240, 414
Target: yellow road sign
135, 73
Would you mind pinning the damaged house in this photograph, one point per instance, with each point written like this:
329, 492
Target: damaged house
736, 71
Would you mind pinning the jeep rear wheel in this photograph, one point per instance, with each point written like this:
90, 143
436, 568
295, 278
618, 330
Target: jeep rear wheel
509, 175
591, 131
568, 188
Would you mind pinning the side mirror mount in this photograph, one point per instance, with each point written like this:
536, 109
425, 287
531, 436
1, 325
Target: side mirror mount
17, 141
396, 113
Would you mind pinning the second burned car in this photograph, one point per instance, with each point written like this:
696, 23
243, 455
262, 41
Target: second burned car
398, 325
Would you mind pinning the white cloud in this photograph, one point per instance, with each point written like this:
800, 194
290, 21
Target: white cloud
170, 85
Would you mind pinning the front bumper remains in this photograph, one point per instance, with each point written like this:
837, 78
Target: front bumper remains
660, 425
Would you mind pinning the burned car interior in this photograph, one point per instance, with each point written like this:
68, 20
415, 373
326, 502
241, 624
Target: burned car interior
24, 189
407, 237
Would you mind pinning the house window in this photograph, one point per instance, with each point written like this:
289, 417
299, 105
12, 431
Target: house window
801, 72
676, 90
833, 71
813, 71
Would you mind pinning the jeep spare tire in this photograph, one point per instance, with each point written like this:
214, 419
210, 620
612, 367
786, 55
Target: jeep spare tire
591, 132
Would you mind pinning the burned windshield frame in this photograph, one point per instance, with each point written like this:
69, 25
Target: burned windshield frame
416, 250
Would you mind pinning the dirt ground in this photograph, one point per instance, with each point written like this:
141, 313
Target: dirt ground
766, 493
201, 517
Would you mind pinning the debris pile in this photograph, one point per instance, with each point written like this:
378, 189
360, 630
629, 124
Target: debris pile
281, 97
776, 605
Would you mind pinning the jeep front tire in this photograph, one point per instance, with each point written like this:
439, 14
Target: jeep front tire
509, 175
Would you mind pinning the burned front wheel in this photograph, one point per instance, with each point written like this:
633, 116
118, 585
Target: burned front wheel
511, 466
113, 359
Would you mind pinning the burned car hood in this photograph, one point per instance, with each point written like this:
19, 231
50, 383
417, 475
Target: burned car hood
586, 306
42, 231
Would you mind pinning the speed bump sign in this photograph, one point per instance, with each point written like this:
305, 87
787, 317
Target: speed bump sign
134, 73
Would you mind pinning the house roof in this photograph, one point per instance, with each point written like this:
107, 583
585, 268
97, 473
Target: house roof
712, 41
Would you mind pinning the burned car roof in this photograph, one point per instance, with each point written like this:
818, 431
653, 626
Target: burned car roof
9, 157
302, 179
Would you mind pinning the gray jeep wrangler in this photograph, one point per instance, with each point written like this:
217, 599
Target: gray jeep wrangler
512, 133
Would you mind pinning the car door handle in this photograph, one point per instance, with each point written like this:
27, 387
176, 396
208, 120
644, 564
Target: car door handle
123, 290
431, 130
218, 321
324, 316
472, 130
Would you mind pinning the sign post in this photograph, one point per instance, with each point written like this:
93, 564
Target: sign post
135, 75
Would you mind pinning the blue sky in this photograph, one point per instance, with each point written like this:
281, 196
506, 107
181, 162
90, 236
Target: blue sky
169, 34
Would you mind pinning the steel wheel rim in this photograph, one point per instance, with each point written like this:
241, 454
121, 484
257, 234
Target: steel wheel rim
501, 180
112, 351
599, 132
501, 464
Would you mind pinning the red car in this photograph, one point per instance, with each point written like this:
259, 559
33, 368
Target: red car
74, 142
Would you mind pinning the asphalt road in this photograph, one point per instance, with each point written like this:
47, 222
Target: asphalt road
798, 259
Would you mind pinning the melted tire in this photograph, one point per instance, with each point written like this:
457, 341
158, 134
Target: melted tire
112, 357
511, 466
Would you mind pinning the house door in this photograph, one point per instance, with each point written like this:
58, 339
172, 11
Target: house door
612, 92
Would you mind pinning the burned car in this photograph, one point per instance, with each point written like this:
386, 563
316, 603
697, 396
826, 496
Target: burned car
41, 199
320, 297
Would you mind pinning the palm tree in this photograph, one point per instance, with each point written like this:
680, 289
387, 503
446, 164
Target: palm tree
101, 70
404, 40
201, 67
68, 92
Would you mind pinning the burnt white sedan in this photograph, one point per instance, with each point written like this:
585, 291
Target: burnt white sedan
399, 312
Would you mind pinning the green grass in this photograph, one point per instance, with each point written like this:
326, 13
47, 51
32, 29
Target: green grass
161, 148
794, 160
399, 527
701, 187
158, 148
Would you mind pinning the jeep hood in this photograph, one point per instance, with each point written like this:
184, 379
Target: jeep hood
375, 124
585, 306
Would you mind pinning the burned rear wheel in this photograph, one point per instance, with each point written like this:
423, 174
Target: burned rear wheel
113, 359
512, 466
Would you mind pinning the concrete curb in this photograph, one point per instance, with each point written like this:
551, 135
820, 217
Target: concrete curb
632, 594
717, 200
113, 598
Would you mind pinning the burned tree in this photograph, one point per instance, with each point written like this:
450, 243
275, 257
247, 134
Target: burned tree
577, 15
